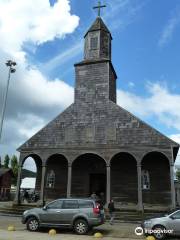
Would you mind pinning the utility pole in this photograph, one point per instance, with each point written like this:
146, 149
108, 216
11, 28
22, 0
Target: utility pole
11, 65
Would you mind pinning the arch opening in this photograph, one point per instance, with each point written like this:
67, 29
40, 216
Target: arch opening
124, 182
158, 192
30, 179
56, 177
89, 176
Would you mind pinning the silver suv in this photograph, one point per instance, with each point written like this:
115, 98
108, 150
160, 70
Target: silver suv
163, 226
79, 214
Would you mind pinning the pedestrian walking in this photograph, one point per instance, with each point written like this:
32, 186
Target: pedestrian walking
111, 211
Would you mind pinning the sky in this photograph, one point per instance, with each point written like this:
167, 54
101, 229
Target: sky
45, 38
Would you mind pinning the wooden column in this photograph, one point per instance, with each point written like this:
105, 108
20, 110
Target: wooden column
108, 184
173, 193
140, 202
69, 181
42, 202
173, 197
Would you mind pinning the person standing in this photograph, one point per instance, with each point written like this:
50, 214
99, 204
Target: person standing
26, 196
94, 196
111, 211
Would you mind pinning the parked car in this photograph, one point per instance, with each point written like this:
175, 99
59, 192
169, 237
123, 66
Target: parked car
78, 214
163, 226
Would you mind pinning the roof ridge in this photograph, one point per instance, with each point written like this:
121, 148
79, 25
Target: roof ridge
98, 24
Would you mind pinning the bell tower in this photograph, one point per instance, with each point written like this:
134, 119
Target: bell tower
95, 75
97, 41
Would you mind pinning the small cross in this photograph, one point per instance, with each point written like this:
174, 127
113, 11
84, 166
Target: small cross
99, 8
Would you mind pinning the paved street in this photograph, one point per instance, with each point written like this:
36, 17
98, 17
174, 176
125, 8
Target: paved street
117, 231
22, 235
109, 232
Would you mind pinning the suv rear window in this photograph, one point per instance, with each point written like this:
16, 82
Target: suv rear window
85, 204
70, 204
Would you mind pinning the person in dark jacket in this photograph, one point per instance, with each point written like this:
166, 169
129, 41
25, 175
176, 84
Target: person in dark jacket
26, 196
111, 211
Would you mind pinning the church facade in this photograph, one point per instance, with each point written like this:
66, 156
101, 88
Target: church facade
97, 146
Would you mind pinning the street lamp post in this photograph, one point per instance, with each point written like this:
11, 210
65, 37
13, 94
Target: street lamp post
12, 69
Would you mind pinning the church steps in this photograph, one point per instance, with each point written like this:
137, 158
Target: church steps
15, 210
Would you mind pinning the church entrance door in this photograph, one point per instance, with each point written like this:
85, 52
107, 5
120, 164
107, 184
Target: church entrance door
88, 176
97, 183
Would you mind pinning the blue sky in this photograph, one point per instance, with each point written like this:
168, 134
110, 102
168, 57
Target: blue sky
145, 55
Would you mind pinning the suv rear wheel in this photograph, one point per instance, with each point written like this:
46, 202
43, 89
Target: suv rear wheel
81, 226
32, 224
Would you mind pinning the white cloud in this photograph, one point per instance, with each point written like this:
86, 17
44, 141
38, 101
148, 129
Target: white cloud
127, 10
63, 57
37, 22
176, 138
170, 27
36, 90
30, 164
161, 104
33, 99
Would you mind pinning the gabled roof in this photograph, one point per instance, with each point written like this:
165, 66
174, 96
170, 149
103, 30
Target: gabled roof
5, 170
98, 25
120, 128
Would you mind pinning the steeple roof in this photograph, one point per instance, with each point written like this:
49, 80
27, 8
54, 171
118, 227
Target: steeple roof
98, 25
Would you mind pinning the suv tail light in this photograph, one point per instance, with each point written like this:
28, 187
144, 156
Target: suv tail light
96, 209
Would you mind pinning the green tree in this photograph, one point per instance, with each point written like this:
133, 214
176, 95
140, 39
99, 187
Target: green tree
178, 174
14, 166
6, 161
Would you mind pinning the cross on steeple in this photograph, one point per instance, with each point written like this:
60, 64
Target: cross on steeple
99, 8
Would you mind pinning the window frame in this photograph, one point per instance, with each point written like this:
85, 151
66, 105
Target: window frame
145, 185
51, 179
94, 43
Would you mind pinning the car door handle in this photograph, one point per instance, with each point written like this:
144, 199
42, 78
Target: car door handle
58, 211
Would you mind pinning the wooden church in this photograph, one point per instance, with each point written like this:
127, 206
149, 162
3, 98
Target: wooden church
97, 146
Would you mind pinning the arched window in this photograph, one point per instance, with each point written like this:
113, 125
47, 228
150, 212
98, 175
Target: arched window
50, 179
145, 180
